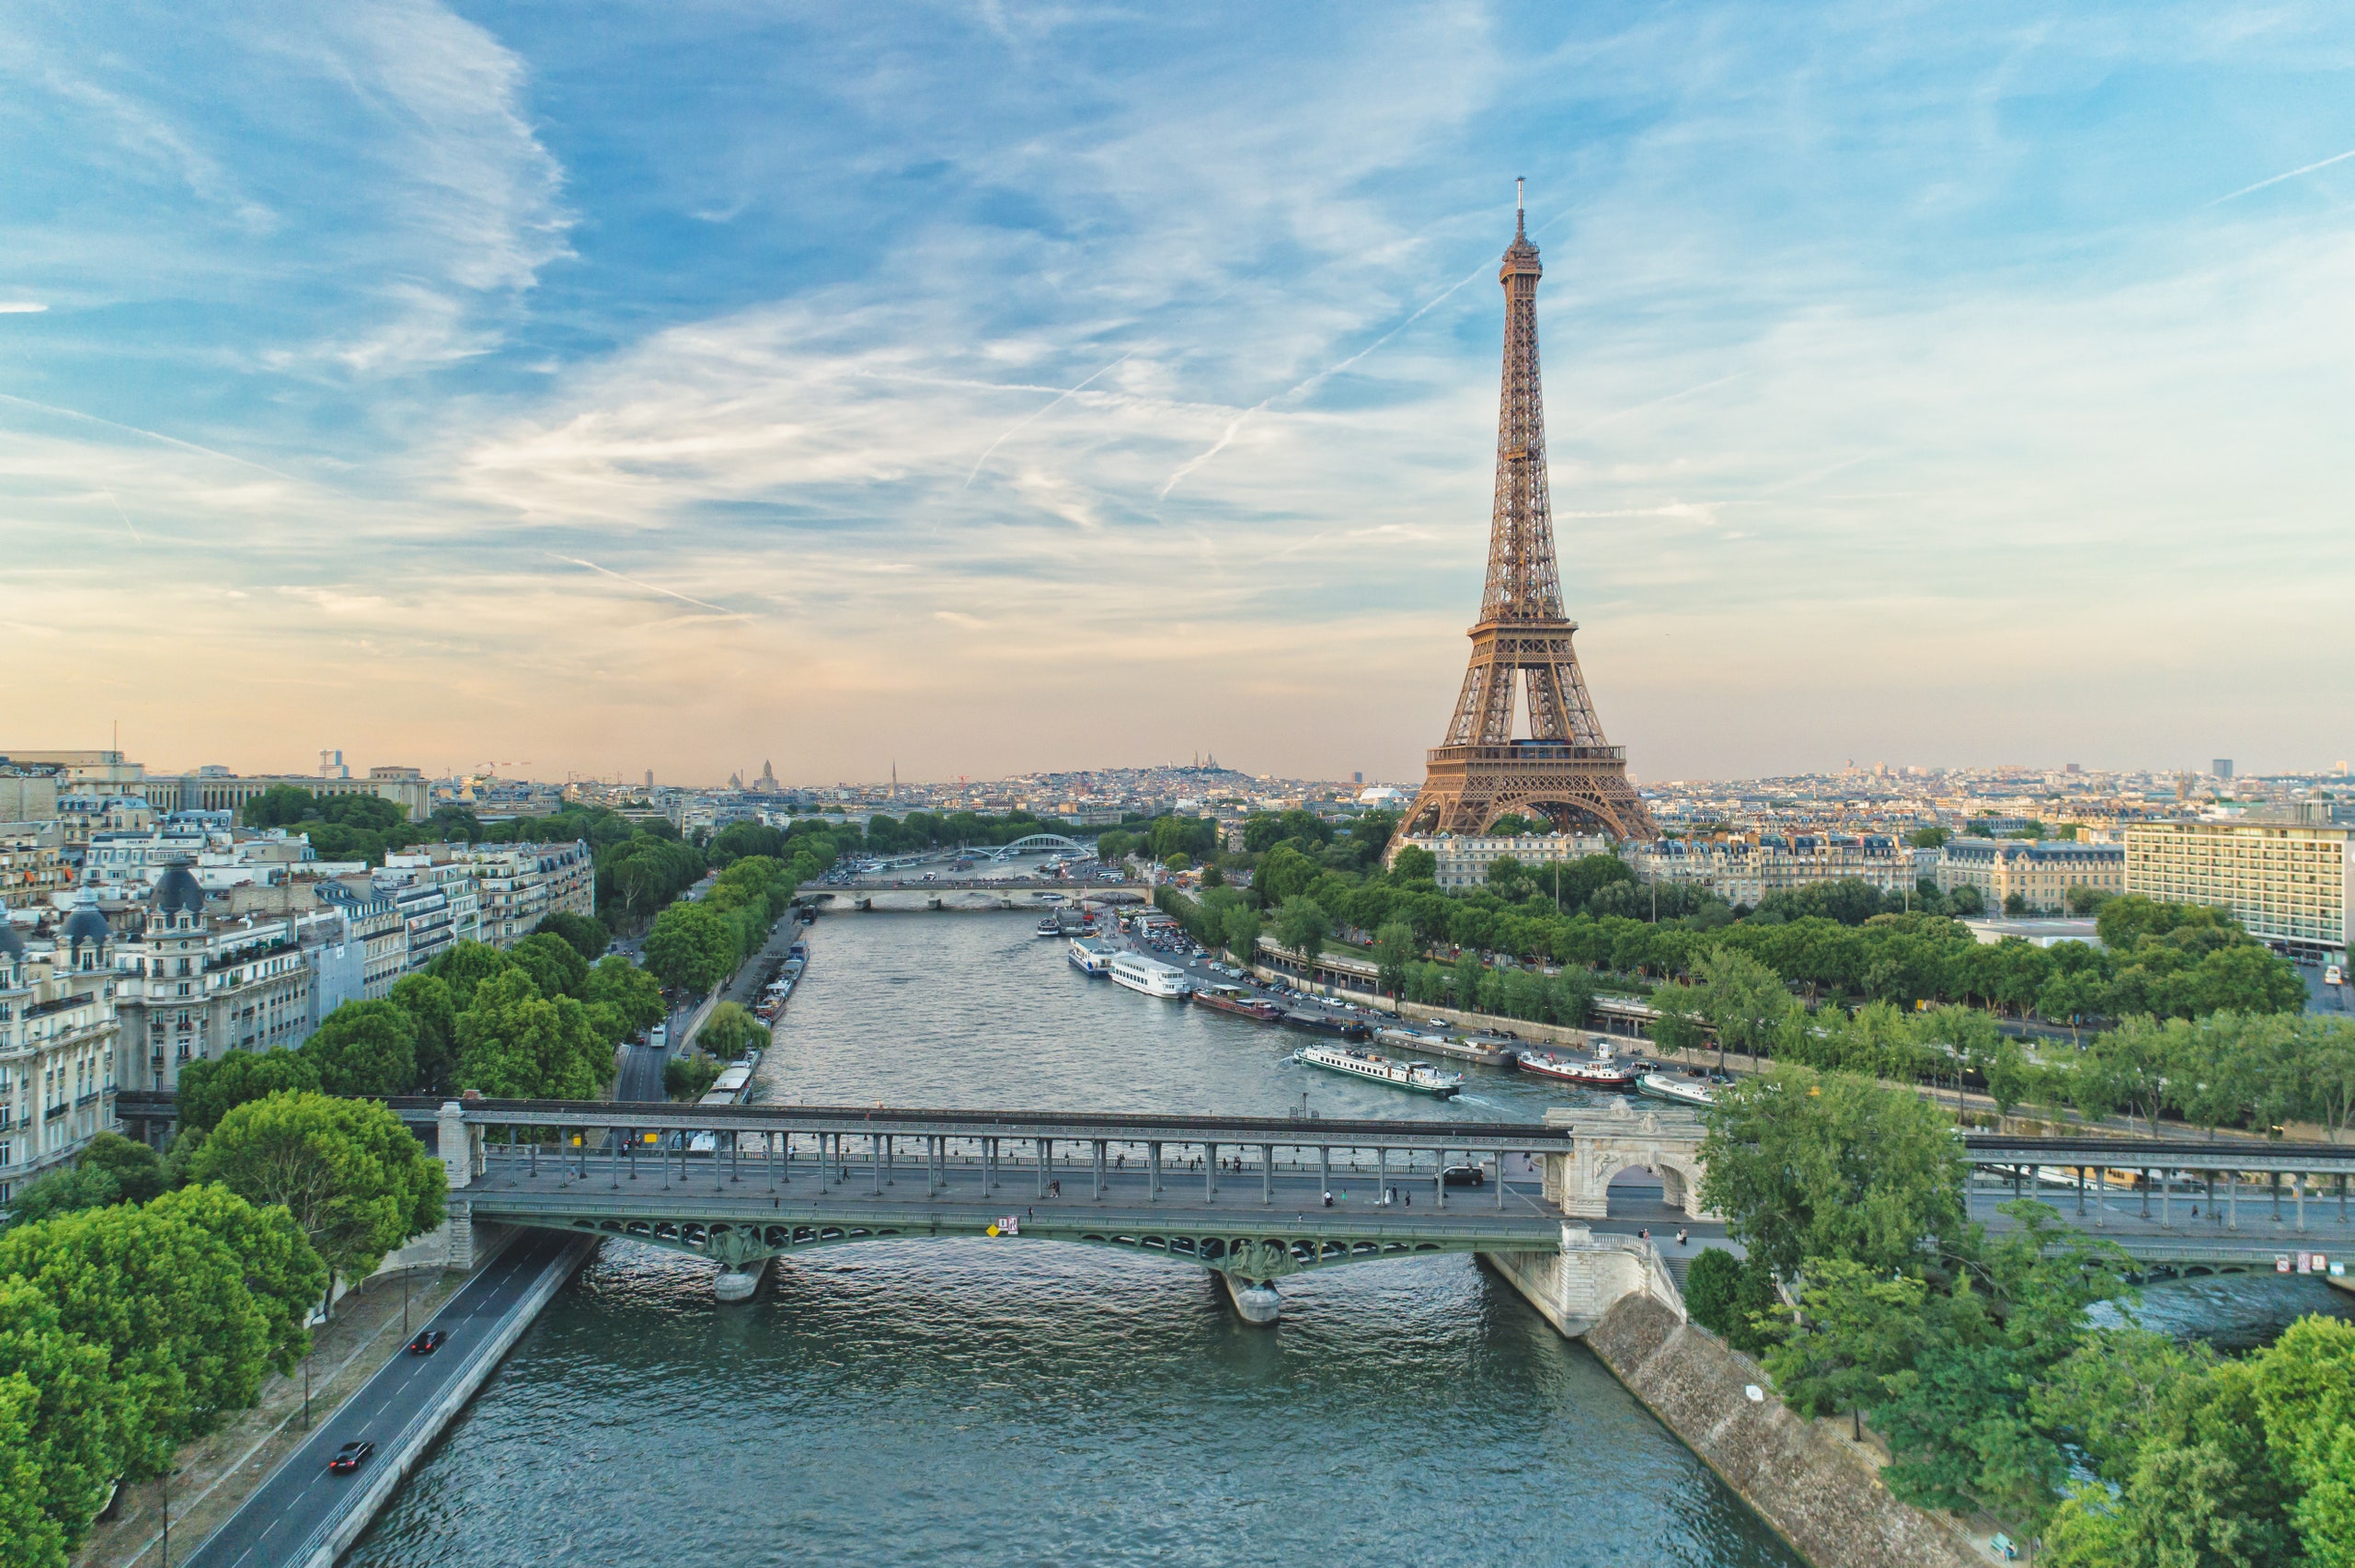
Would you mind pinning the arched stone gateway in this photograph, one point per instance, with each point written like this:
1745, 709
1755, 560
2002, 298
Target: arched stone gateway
1667, 1143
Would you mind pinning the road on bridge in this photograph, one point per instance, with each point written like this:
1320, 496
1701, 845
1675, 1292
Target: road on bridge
295, 1509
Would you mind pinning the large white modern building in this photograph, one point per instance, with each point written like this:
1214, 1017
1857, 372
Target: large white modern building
2290, 881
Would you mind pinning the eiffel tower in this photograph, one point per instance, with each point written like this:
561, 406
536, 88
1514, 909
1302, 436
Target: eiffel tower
1564, 772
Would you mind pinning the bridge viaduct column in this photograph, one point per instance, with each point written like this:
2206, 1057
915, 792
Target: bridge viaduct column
1153, 1176
1267, 1175
1210, 1171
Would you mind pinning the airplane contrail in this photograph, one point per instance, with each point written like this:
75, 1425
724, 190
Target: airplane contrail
2244, 190
1010, 431
150, 435
1235, 425
652, 588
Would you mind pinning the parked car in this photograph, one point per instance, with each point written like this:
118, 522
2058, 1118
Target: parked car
350, 1456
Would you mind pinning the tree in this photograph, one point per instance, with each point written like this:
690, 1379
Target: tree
1928, 838
1414, 863
62, 1191
2305, 1398
1284, 873
1676, 1031
366, 1048
1805, 1165
690, 947
689, 1077
1465, 985
1304, 926
2326, 1072
64, 1429
553, 964
1962, 1431
166, 1301
434, 1012
513, 1042
466, 966
209, 1089
1728, 1296
284, 1273
1241, 928
2125, 1068
354, 1179
1394, 949
586, 934
138, 1171
730, 1031
1850, 1331
1743, 999
28, 1533
635, 996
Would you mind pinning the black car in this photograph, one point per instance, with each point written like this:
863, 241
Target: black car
350, 1456
427, 1342
1465, 1176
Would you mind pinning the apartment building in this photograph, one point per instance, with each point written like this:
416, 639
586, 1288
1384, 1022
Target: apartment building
57, 1044
32, 863
2038, 873
1464, 861
513, 886
194, 985
2291, 881
1741, 871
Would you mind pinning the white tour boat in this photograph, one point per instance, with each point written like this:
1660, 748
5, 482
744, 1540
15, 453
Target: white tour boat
1419, 1076
1091, 954
1676, 1087
1150, 976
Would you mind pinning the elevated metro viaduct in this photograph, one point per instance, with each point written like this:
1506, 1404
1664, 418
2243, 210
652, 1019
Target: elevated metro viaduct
1244, 1196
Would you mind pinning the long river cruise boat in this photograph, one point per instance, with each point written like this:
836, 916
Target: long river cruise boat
1150, 976
1604, 1070
1419, 1076
1242, 1003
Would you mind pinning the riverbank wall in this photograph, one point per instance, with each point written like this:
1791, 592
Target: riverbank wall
1819, 1492
403, 1454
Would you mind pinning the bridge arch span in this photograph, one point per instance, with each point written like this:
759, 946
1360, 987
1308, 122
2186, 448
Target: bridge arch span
1035, 842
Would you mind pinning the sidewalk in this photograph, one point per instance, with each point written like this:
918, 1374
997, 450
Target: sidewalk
217, 1472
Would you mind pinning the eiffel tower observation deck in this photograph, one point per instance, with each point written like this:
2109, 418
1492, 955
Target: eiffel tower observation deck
1563, 770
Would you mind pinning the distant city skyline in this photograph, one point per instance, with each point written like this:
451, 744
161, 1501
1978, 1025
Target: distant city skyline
1008, 389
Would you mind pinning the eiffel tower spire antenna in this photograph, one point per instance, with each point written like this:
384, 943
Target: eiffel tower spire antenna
1566, 772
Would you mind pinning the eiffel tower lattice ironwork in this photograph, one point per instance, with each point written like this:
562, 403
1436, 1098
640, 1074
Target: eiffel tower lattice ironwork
1564, 772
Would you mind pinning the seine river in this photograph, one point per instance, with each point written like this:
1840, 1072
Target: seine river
976, 1402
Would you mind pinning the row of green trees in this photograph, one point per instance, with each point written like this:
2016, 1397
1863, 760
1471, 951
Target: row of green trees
1869, 1292
141, 1299
1841, 939
695, 943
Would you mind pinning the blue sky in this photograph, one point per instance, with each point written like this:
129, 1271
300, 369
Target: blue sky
603, 386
